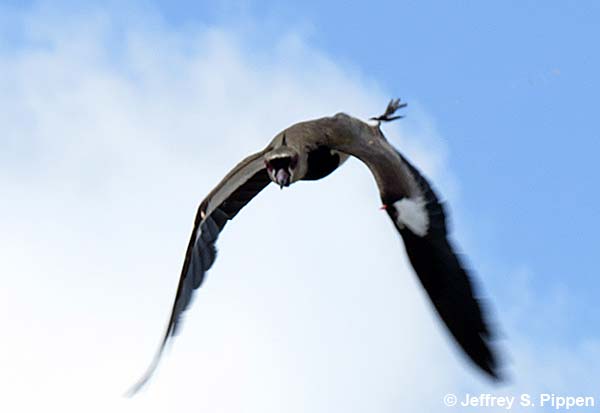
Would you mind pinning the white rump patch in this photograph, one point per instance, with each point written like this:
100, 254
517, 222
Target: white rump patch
412, 213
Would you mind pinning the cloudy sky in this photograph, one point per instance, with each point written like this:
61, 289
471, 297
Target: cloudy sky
116, 120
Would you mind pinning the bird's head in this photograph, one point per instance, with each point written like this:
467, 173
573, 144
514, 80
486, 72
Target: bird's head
281, 165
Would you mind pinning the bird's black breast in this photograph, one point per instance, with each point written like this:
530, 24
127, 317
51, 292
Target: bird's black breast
321, 162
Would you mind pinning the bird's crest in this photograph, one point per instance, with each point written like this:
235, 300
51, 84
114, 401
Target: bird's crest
392, 107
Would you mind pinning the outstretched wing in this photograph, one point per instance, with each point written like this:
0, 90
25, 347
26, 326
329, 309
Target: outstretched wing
238, 188
420, 218
442, 273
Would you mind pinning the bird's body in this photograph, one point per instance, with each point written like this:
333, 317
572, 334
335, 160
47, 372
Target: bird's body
313, 149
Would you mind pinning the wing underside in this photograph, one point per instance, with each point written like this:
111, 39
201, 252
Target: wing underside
420, 219
236, 190
446, 281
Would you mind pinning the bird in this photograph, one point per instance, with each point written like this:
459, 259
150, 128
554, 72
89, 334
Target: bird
311, 150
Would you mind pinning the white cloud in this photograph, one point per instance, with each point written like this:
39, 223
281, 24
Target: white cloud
110, 138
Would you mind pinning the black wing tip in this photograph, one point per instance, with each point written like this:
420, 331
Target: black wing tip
133, 390
493, 371
482, 348
454, 294
489, 364
480, 345
495, 375
497, 364
142, 381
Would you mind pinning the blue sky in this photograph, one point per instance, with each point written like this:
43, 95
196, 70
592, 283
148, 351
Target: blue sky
512, 87
102, 106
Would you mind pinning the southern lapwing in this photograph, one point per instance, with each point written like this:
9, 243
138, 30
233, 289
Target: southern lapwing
312, 150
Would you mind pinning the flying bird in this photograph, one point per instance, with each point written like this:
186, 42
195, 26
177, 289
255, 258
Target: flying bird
312, 150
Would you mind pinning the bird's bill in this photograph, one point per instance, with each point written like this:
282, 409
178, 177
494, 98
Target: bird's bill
282, 178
